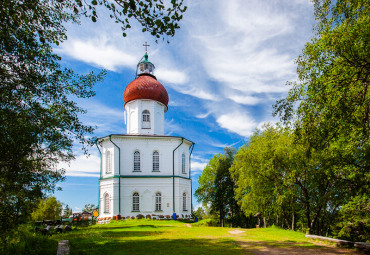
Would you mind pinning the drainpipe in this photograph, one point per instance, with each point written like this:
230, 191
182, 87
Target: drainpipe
191, 181
173, 175
100, 173
119, 175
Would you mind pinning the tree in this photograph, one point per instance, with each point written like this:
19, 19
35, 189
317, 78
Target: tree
354, 220
262, 174
67, 211
329, 105
38, 115
216, 186
89, 208
48, 209
276, 178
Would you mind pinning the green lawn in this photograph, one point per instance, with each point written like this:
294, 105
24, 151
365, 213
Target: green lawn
173, 237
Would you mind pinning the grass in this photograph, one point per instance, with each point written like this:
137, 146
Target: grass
173, 237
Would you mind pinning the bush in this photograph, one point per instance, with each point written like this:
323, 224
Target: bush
355, 220
140, 216
205, 222
25, 241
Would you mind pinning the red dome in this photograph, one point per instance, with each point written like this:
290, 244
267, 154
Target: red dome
145, 87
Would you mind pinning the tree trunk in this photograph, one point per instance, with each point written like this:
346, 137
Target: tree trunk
264, 221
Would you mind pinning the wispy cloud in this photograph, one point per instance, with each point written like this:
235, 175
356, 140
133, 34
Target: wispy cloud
82, 166
98, 52
238, 122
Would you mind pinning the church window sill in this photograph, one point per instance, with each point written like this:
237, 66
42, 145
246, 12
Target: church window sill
136, 171
135, 211
184, 210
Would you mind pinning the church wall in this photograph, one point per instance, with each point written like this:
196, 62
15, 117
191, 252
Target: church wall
107, 187
143, 184
134, 111
146, 146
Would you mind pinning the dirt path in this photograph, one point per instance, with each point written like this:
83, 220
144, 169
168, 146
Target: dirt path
290, 248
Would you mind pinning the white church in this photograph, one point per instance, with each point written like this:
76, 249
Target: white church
144, 171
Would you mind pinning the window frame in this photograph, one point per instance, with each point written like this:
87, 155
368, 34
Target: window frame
108, 162
106, 203
137, 161
158, 202
136, 204
184, 203
145, 118
155, 166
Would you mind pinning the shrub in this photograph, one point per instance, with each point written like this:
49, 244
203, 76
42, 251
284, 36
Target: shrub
148, 216
140, 216
25, 241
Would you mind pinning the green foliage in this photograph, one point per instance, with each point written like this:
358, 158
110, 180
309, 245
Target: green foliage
355, 219
38, 113
25, 241
89, 208
216, 186
266, 171
158, 18
202, 212
329, 108
331, 97
67, 211
47, 209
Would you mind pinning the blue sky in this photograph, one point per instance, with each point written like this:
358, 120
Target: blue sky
223, 71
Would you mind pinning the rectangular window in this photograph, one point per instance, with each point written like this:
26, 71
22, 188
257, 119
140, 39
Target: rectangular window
158, 203
135, 203
155, 161
137, 161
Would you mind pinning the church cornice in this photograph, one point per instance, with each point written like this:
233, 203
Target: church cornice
144, 176
145, 137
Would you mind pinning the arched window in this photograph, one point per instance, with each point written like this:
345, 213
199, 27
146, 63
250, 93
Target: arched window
146, 119
135, 202
108, 163
184, 201
158, 201
106, 203
137, 161
155, 161
183, 163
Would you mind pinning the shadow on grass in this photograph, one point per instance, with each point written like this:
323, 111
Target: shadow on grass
133, 226
287, 248
158, 246
119, 234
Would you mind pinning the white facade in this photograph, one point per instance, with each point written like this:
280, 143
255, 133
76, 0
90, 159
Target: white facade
120, 180
145, 173
145, 117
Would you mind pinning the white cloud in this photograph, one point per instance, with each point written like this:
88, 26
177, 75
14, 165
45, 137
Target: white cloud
223, 145
82, 166
237, 122
203, 115
245, 99
198, 166
98, 52
171, 76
